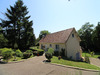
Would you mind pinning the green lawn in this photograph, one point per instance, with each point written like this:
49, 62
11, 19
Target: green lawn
86, 53
74, 63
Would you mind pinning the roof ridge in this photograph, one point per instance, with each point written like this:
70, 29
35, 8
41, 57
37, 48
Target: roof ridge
60, 31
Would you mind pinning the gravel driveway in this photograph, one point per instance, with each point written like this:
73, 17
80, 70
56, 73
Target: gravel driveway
36, 66
95, 61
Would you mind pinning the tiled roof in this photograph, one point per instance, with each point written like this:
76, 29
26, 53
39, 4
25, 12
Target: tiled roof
57, 37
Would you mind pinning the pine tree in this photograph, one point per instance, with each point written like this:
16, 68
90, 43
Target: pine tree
18, 27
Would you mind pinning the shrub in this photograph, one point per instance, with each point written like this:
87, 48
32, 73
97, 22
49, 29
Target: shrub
35, 53
26, 55
62, 52
7, 54
48, 56
33, 48
87, 60
38, 52
29, 51
2, 49
51, 51
56, 53
18, 53
92, 53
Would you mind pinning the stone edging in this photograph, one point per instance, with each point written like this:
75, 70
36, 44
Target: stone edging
73, 67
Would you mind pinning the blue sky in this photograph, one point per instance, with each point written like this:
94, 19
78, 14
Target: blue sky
57, 15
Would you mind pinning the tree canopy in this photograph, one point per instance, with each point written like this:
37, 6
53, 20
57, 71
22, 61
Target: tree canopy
90, 37
18, 28
43, 33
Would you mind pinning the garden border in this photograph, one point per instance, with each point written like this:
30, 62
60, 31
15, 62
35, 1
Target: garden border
73, 67
2, 62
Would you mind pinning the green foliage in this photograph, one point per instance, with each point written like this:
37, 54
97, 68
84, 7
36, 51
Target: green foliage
38, 51
3, 41
29, 52
88, 54
33, 48
87, 60
85, 33
74, 63
96, 38
26, 55
7, 54
3, 49
48, 56
51, 51
18, 53
43, 33
18, 27
56, 53
92, 53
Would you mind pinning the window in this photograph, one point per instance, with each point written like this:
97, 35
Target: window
57, 47
72, 35
50, 45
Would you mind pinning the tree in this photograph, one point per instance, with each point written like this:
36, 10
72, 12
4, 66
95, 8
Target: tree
42, 34
18, 27
85, 33
3, 40
96, 38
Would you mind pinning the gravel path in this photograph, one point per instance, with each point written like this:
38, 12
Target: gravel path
36, 66
95, 61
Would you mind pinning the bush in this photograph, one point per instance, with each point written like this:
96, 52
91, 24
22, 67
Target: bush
87, 60
18, 53
92, 53
38, 52
51, 51
7, 54
2, 49
26, 55
33, 48
29, 51
62, 53
56, 53
48, 56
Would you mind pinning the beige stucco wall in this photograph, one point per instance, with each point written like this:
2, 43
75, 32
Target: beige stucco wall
72, 46
47, 45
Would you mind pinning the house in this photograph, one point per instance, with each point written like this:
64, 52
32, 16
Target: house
67, 40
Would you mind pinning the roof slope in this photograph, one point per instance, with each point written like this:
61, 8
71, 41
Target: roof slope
57, 37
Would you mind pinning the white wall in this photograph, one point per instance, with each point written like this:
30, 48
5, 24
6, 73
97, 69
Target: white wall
72, 46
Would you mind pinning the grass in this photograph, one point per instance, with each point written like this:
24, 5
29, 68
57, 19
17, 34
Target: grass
96, 55
74, 63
